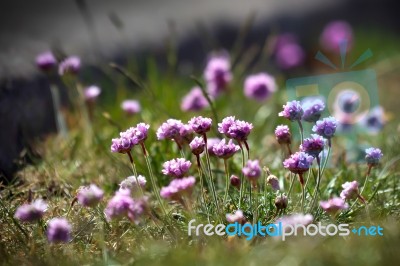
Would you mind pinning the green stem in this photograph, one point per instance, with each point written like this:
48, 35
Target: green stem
316, 189
291, 185
227, 183
301, 131
135, 172
202, 185
241, 177
327, 156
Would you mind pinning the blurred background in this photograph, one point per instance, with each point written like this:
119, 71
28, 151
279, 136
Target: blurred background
180, 33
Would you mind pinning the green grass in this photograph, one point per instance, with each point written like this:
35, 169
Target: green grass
69, 163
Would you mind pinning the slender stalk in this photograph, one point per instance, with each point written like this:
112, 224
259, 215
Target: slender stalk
255, 207
327, 156
202, 184
301, 131
316, 189
135, 172
303, 192
291, 185
247, 148
227, 183
366, 178
152, 179
241, 177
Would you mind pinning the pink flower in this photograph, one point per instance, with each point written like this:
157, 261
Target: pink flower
194, 101
90, 196
91, 93
350, 190
335, 33
176, 167
237, 217
131, 107
259, 86
178, 187
333, 205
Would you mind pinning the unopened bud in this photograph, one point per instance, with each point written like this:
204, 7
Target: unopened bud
281, 202
235, 181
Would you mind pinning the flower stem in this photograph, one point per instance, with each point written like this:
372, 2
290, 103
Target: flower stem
301, 131
226, 181
135, 172
202, 184
241, 177
366, 178
303, 192
291, 185
316, 189
327, 156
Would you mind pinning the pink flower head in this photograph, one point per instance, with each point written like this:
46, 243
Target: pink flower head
91, 93
123, 205
210, 145
235, 129
200, 124
178, 187
252, 170
59, 230
237, 217
131, 107
333, 205
292, 111
176, 167
225, 150
141, 132
326, 127
298, 162
169, 129
282, 134
335, 33
90, 196
295, 219
288, 52
70, 65
273, 182
194, 101
259, 86
31, 212
217, 74
350, 190
235, 181
197, 145
373, 156
46, 61
133, 182
121, 145
313, 145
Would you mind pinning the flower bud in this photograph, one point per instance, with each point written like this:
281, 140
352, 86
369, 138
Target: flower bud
281, 202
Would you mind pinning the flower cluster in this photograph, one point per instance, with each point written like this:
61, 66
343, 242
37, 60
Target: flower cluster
237, 217
178, 187
90, 196
194, 100
313, 109
200, 124
373, 156
235, 129
259, 86
292, 111
252, 170
350, 190
282, 134
59, 230
287, 51
70, 65
46, 61
217, 74
123, 205
298, 162
176, 167
334, 34
170, 129
197, 145
296, 219
325, 127
225, 150
133, 182
131, 107
91, 93
131, 137
31, 212
333, 205
313, 145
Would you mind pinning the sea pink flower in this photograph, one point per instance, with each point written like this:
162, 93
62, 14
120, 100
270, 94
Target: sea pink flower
131, 107
194, 101
237, 217
225, 150
133, 182
176, 167
282, 134
91, 93
333, 205
217, 74
252, 169
46, 61
197, 145
59, 230
335, 33
350, 190
259, 86
31, 212
298, 162
70, 65
90, 196
178, 187
200, 124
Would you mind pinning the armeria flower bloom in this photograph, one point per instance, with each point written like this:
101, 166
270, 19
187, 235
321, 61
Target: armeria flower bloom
273, 182
31, 212
217, 74
292, 111
131, 107
121, 145
298, 162
296, 219
91, 93
313, 145
90, 196
281, 202
235, 129
194, 101
259, 86
374, 121
235, 181
252, 170
210, 144
373, 156
59, 230
350, 190
122, 205
133, 182
326, 127
169, 129
178, 187
237, 217
185, 135
197, 145
225, 150
141, 132
176, 167
335, 33
200, 124
70, 65
313, 109
46, 61
289, 56
333, 205
282, 134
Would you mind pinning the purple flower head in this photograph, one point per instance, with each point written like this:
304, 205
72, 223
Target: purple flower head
90, 196
31, 212
120, 205
225, 150
252, 169
210, 144
194, 101
235, 181
335, 33
185, 135
313, 109
217, 74
178, 187
295, 219
133, 182
226, 123
91, 93
176, 167
141, 132
350, 190
273, 182
197, 145
70, 65
235, 129
59, 230
333, 205
281, 202
237, 217
169, 129
46, 61
313, 145
374, 121
282, 134
131, 107
200, 124
325, 127
121, 145
373, 156
292, 111
298, 162
259, 86
289, 56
